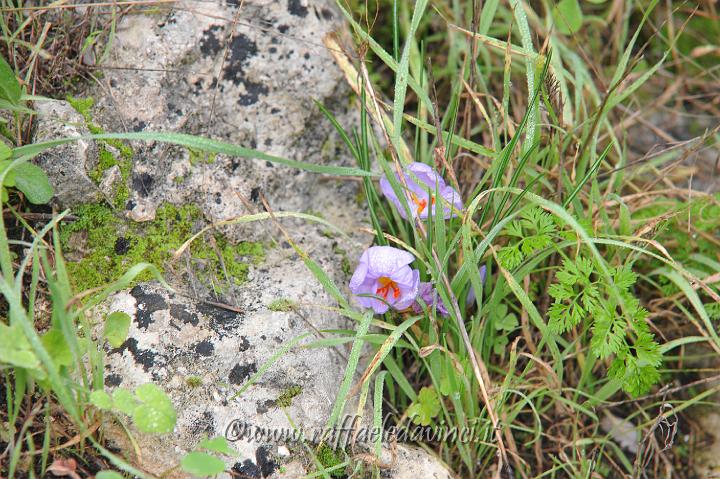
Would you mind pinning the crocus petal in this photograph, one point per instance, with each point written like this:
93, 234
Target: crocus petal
360, 274
385, 260
408, 294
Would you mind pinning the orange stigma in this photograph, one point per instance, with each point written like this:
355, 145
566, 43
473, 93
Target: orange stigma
421, 204
387, 285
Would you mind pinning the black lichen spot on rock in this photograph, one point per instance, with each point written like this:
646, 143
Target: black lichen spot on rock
244, 344
255, 194
241, 372
326, 14
130, 205
204, 348
143, 183
210, 43
112, 380
265, 461
306, 56
147, 304
222, 321
122, 245
283, 29
140, 126
264, 406
144, 357
242, 48
247, 469
254, 90
179, 312
295, 7
218, 198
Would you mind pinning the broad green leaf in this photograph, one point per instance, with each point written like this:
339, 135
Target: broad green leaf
57, 347
9, 86
156, 413
15, 349
217, 444
32, 180
568, 16
202, 464
5, 151
124, 401
101, 400
117, 325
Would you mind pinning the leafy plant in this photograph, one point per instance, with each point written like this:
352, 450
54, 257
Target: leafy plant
26, 177
619, 326
425, 408
150, 408
201, 463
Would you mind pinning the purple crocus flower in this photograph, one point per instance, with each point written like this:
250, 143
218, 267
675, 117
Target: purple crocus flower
383, 279
421, 198
431, 298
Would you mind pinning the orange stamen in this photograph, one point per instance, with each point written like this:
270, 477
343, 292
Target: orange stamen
387, 285
421, 204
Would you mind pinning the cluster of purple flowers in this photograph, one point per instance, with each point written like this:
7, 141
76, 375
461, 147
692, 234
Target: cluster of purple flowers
384, 278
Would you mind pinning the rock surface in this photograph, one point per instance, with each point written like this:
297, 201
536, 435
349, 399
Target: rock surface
68, 165
248, 73
201, 355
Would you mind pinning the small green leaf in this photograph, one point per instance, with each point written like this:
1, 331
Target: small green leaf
57, 347
15, 349
202, 464
101, 400
117, 326
9, 86
219, 445
32, 180
156, 413
124, 401
568, 16
108, 475
5, 151
425, 408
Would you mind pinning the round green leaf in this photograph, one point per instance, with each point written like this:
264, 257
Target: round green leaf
124, 401
32, 180
568, 16
217, 444
156, 414
202, 464
117, 326
101, 400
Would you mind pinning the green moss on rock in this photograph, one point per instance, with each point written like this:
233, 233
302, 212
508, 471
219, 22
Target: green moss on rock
329, 458
281, 305
112, 245
285, 399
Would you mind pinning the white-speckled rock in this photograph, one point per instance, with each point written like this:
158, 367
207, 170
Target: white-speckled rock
68, 165
248, 75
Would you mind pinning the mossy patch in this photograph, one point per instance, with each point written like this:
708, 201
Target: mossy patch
113, 245
285, 399
106, 158
330, 458
281, 305
193, 381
